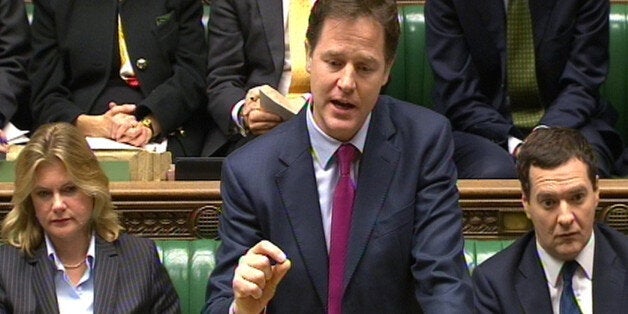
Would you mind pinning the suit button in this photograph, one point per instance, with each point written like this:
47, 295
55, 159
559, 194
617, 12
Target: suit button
141, 64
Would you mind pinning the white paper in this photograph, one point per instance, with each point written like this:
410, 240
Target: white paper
15, 135
101, 143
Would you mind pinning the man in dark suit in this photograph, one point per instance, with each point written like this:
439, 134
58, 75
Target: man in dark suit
567, 55
249, 46
557, 171
402, 244
131, 70
15, 51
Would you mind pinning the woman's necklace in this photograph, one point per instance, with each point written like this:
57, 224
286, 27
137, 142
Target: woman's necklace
75, 266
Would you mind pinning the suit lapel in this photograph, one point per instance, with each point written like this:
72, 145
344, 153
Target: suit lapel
298, 190
541, 11
493, 16
272, 19
493, 21
43, 281
377, 167
609, 277
531, 284
98, 21
106, 276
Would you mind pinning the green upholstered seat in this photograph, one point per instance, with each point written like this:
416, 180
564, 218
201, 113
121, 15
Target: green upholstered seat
477, 251
189, 264
411, 75
616, 87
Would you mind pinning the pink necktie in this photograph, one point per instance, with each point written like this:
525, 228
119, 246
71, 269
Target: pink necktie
340, 226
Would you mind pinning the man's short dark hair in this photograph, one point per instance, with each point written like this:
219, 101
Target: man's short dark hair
550, 148
383, 11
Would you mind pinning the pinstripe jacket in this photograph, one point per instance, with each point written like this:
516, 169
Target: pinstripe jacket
129, 278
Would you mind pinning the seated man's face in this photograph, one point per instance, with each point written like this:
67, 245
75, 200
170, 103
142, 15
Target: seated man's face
562, 208
348, 69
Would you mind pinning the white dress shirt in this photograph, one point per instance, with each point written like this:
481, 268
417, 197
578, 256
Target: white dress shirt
325, 168
582, 278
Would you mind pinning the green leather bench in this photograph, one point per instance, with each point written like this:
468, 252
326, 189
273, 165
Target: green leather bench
477, 251
189, 264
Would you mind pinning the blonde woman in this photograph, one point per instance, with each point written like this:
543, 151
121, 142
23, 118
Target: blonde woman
64, 250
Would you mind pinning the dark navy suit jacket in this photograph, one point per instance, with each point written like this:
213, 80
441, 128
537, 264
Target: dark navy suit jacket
405, 248
128, 278
513, 280
467, 50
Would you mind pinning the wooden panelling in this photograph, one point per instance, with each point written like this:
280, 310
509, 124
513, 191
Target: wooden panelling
492, 208
188, 210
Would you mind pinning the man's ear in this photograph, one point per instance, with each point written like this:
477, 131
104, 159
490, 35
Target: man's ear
308, 56
526, 204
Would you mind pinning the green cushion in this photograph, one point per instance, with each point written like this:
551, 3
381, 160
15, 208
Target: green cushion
189, 263
411, 76
616, 87
487, 248
469, 254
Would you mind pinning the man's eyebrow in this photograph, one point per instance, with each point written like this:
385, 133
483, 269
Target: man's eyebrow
573, 190
544, 194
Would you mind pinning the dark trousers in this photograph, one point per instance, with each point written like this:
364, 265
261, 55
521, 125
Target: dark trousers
479, 158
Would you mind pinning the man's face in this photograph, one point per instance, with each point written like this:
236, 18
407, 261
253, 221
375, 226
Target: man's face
562, 208
348, 69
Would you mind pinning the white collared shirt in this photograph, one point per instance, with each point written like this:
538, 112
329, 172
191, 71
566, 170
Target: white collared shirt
79, 298
582, 278
325, 168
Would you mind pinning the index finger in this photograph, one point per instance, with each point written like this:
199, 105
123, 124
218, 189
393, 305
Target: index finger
127, 109
266, 116
270, 250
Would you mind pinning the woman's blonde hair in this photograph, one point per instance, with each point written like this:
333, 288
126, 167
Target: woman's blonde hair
57, 142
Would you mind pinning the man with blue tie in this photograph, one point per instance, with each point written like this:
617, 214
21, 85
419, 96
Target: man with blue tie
351, 206
569, 263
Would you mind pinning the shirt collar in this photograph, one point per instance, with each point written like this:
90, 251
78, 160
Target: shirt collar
52, 253
552, 265
324, 146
